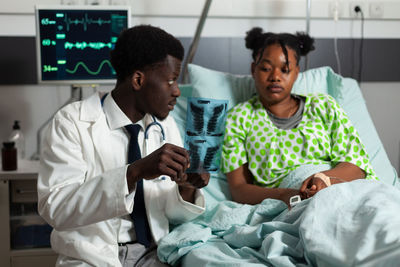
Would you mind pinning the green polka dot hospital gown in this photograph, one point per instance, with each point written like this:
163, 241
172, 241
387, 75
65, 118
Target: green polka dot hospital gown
324, 135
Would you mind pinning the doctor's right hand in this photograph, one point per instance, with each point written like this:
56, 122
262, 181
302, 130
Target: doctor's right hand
170, 160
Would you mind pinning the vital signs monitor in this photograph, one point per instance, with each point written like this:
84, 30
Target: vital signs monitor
73, 43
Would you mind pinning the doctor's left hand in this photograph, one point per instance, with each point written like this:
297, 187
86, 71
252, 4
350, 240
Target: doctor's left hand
188, 188
195, 180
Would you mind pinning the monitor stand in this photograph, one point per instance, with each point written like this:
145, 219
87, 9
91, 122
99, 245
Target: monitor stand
76, 95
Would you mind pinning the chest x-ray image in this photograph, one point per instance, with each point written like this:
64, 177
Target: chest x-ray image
204, 133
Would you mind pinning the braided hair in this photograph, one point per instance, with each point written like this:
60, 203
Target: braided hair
143, 46
301, 43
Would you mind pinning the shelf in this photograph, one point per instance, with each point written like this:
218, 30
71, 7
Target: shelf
18, 209
27, 170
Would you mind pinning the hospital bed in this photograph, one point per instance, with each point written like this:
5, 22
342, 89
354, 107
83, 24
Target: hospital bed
268, 234
350, 224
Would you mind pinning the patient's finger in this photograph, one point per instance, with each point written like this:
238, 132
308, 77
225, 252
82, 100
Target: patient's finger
320, 184
311, 193
304, 186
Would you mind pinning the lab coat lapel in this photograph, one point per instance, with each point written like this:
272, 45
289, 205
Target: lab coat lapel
101, 141
92, 111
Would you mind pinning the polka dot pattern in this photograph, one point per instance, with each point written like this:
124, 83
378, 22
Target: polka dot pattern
324, 135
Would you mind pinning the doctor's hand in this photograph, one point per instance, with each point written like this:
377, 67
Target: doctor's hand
195, 180
170, 160
188, 188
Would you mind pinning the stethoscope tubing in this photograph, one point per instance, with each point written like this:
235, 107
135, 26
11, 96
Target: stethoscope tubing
154, 123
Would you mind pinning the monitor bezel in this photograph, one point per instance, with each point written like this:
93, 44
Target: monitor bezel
37, 37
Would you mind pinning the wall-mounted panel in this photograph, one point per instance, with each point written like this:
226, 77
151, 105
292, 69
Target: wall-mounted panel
18, 60
380, 57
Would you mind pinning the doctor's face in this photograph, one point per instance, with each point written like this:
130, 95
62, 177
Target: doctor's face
160, 89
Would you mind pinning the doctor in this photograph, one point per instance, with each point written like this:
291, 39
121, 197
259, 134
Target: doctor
87, 189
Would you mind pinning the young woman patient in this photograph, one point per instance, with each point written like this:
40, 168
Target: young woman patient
276, 132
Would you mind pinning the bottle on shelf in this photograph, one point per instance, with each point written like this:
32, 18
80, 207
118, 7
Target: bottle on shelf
9, 157
18, 138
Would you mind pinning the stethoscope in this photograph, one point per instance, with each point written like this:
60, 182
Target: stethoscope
155, 123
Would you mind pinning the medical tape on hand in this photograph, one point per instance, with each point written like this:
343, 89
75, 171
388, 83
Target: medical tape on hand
324, 178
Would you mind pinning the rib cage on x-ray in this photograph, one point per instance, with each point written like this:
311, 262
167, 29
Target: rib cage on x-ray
212, 123
194, 156
198, 119
204, 130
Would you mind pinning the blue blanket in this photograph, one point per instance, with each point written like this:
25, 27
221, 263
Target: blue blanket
356, 223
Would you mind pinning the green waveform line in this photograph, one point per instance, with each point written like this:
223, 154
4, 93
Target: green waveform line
85, 21
81, 63
83, 45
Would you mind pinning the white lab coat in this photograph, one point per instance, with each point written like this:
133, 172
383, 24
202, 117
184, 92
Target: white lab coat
80, 186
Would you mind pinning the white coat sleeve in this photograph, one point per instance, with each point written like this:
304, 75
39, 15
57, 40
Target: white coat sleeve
177, 209
67, 198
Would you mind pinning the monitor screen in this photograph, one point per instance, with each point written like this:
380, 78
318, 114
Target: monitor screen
74, 43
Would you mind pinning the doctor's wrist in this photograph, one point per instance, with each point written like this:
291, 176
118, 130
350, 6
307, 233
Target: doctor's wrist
187, 193
132, 176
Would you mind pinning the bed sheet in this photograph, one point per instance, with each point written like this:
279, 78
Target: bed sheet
349, 224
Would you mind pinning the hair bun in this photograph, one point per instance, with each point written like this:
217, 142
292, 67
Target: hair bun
253, 37
306, 43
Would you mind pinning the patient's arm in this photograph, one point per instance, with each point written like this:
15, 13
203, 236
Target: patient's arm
244, 191
343, 172
346, 171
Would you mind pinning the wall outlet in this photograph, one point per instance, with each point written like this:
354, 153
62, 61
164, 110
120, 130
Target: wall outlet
353, 5
376, 10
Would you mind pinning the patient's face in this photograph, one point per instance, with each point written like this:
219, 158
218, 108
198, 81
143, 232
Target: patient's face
273, 79
160, 88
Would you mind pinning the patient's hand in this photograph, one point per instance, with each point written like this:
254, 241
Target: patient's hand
311, 186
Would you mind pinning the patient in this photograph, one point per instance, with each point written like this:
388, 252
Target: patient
276, 132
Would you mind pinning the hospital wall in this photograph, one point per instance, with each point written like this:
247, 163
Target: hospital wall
221, 48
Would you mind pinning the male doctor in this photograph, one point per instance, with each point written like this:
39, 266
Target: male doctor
95, 172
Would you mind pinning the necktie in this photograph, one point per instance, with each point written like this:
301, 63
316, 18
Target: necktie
138, 214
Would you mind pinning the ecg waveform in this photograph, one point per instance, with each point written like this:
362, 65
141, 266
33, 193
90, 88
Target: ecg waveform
84, 21
83, 45
81, 63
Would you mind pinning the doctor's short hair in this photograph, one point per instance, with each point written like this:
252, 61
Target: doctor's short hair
142, 46
257, 40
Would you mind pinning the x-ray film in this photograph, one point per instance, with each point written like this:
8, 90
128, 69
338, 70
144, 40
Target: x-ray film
205, 126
